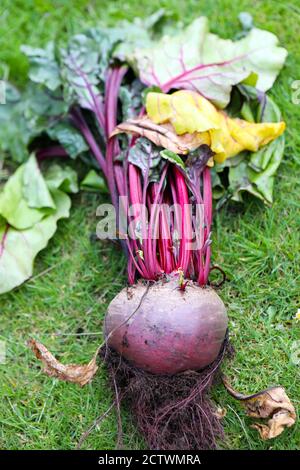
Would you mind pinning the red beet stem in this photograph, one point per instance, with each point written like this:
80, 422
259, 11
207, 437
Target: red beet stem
156, 250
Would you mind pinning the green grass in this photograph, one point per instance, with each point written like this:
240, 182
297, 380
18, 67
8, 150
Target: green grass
76, 277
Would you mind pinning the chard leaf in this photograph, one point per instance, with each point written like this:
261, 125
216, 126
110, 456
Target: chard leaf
218, 188
94, 182
131, 99
239, 181
44, 68
173, 158
14, 207
62, 177
30, 206
196, 163
35, 189
25, 116
258, 176
18, 248
144, 155
247, 113
259, 181
27, 197
270, 159
136, 34
257, 53
42, 106
14, 133
268, 111
155, 172
69, 137
83, 67
197, 60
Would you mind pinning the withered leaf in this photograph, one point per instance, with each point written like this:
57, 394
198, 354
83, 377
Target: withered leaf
220, 412
79, 374
162, 135
272, 403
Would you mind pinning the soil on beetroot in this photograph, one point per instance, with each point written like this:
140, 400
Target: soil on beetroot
171, 412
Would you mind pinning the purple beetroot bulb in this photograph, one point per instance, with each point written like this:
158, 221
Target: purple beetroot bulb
165, 330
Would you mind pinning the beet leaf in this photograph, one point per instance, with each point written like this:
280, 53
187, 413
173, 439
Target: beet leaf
197, 60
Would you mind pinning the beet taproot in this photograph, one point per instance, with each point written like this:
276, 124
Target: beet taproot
164, 330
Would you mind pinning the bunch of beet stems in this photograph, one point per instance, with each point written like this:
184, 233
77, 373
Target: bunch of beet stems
157, 251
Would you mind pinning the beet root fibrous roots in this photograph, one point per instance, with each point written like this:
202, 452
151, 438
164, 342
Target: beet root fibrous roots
171, 412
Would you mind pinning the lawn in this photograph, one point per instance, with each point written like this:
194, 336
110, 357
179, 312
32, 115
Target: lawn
76, 276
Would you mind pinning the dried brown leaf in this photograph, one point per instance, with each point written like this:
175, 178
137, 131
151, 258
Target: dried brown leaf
79, 374
272, 403
220, 413
275, 425
162, 135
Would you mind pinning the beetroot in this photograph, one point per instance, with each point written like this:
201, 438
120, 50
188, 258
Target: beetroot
164, 330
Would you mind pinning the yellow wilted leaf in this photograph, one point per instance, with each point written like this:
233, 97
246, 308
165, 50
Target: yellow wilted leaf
186, 111
189, 113
235, 135
253, 135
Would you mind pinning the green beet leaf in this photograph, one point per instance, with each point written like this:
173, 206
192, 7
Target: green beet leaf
94, 182
14, 207
69, 137
194, 59
62, 177
44, 68
35, 189
18, 248
173, 157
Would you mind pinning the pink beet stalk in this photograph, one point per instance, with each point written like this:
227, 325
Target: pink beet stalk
162, 242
